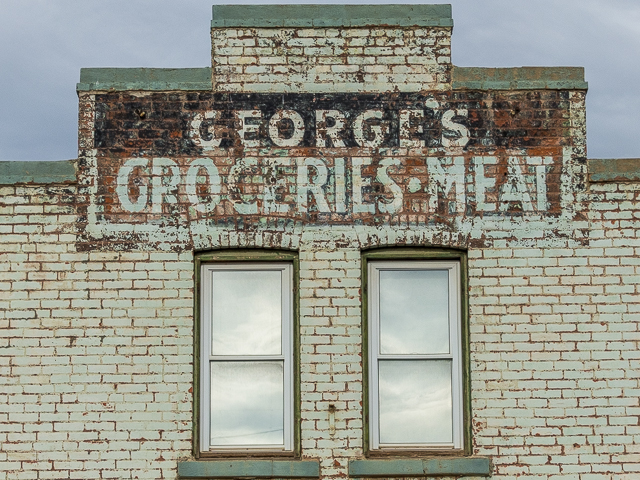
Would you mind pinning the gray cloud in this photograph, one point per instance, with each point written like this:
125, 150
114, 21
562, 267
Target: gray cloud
43, 45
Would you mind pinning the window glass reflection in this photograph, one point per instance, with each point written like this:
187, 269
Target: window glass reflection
247, 403
247, 313
415, 404
414, 311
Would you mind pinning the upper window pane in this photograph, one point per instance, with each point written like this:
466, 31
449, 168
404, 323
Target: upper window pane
247, 312
414, 311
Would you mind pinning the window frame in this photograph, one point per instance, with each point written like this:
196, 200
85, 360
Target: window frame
417, 256
246, 259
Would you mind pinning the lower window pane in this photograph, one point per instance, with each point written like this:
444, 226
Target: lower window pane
415, 403
247, 403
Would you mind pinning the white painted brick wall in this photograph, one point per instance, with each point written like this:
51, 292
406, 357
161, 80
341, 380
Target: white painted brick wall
330, 345
373, 59
96, 350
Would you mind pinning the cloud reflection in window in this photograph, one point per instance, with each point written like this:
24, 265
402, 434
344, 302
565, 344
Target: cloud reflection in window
247, 312
247, 403
414, 311
415, 401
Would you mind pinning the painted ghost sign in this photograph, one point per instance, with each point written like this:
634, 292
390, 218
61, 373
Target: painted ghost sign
329, 158
340, 185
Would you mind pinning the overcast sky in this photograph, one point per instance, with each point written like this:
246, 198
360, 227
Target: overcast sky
44, 43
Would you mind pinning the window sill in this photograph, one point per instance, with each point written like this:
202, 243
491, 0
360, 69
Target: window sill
415, 467
249, 468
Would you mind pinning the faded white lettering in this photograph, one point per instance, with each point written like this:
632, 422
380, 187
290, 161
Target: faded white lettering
298, 128
406, 139
243, 117
273, 182
191, 184
454, 134
344, 185
164, 182
383, 177
442, 179
123, 182
244, 204
196, 131
325, 132
483, 183
358, 182
312, 185
340, 185
378, 131
515, 188
540, 164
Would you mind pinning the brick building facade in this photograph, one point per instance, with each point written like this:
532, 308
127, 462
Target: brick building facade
332, 254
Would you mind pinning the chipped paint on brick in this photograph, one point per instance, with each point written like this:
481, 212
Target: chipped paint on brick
326, 141
467, 162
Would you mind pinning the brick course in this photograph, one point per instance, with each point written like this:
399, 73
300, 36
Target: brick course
331, 59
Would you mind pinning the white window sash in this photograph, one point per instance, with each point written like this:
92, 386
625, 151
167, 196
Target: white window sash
286, 355
455, 351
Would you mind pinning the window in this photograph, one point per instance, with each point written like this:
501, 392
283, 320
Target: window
246, 374
416, 391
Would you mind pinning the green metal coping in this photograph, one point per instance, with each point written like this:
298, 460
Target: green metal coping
199, 79
520, 78
250, 468
121, 79
331, 15
37, 172
614, 170
414, 467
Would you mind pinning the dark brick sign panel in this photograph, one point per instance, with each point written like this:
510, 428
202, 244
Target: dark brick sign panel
330, 157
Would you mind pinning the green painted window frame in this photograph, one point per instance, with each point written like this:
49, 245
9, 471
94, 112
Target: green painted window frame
419, 254
246, 256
